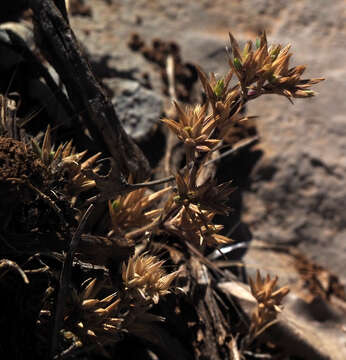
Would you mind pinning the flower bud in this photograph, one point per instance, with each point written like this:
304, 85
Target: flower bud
237, 64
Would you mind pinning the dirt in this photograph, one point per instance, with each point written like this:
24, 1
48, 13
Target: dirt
19, 166
20, 163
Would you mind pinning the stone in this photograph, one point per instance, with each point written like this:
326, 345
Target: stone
138, 108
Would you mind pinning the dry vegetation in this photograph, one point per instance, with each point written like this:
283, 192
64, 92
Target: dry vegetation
98, 262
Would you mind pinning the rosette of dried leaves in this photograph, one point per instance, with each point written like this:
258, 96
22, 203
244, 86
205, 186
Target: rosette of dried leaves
265, 70
194, 129
94, 320
269, 302
135, 210
207, 196
65, 164
195, 225
145, 280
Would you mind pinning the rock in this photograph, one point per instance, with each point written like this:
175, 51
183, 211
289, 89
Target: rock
298, 192
138, 108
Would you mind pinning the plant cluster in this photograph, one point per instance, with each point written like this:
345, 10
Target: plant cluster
107, 303
269, 303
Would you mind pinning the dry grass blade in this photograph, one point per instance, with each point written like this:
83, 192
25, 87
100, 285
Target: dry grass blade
7, 265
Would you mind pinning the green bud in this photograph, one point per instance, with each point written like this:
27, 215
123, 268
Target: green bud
51, 155
36, 148
258, 43
274, 53
237, 64
219, 87
116, 205
177, 198
246, 50
188, 129
272, 78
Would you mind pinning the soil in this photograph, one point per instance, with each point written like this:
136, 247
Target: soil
19, 166
20, 163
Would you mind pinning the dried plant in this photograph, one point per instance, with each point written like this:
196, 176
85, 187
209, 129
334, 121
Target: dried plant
222, 98
269, 303
196, 226
104, 321
145, 279
135, 210
260, 71
208, 196
193, 129
93, 320
64, 162
266, 70
127, 281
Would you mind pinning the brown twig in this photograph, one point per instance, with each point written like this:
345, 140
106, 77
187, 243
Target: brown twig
142, 230
171, 139
50, 202
8, 265
65, 279
44, 197
238, 146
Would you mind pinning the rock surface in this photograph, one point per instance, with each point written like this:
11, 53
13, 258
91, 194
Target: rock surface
138, 108
298, 192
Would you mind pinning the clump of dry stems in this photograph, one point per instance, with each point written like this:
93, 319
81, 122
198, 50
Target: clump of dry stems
64, 163
105, 319
188, 208
183, 213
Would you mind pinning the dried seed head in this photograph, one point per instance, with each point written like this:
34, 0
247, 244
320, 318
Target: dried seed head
65, 163
193, 128
94, 320
145, 279
134, 210
269, 301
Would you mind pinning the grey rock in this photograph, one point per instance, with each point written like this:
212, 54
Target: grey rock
138, 108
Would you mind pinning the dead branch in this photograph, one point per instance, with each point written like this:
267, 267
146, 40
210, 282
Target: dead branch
61, 48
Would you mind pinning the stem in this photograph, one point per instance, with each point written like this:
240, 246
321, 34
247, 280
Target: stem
65, 279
